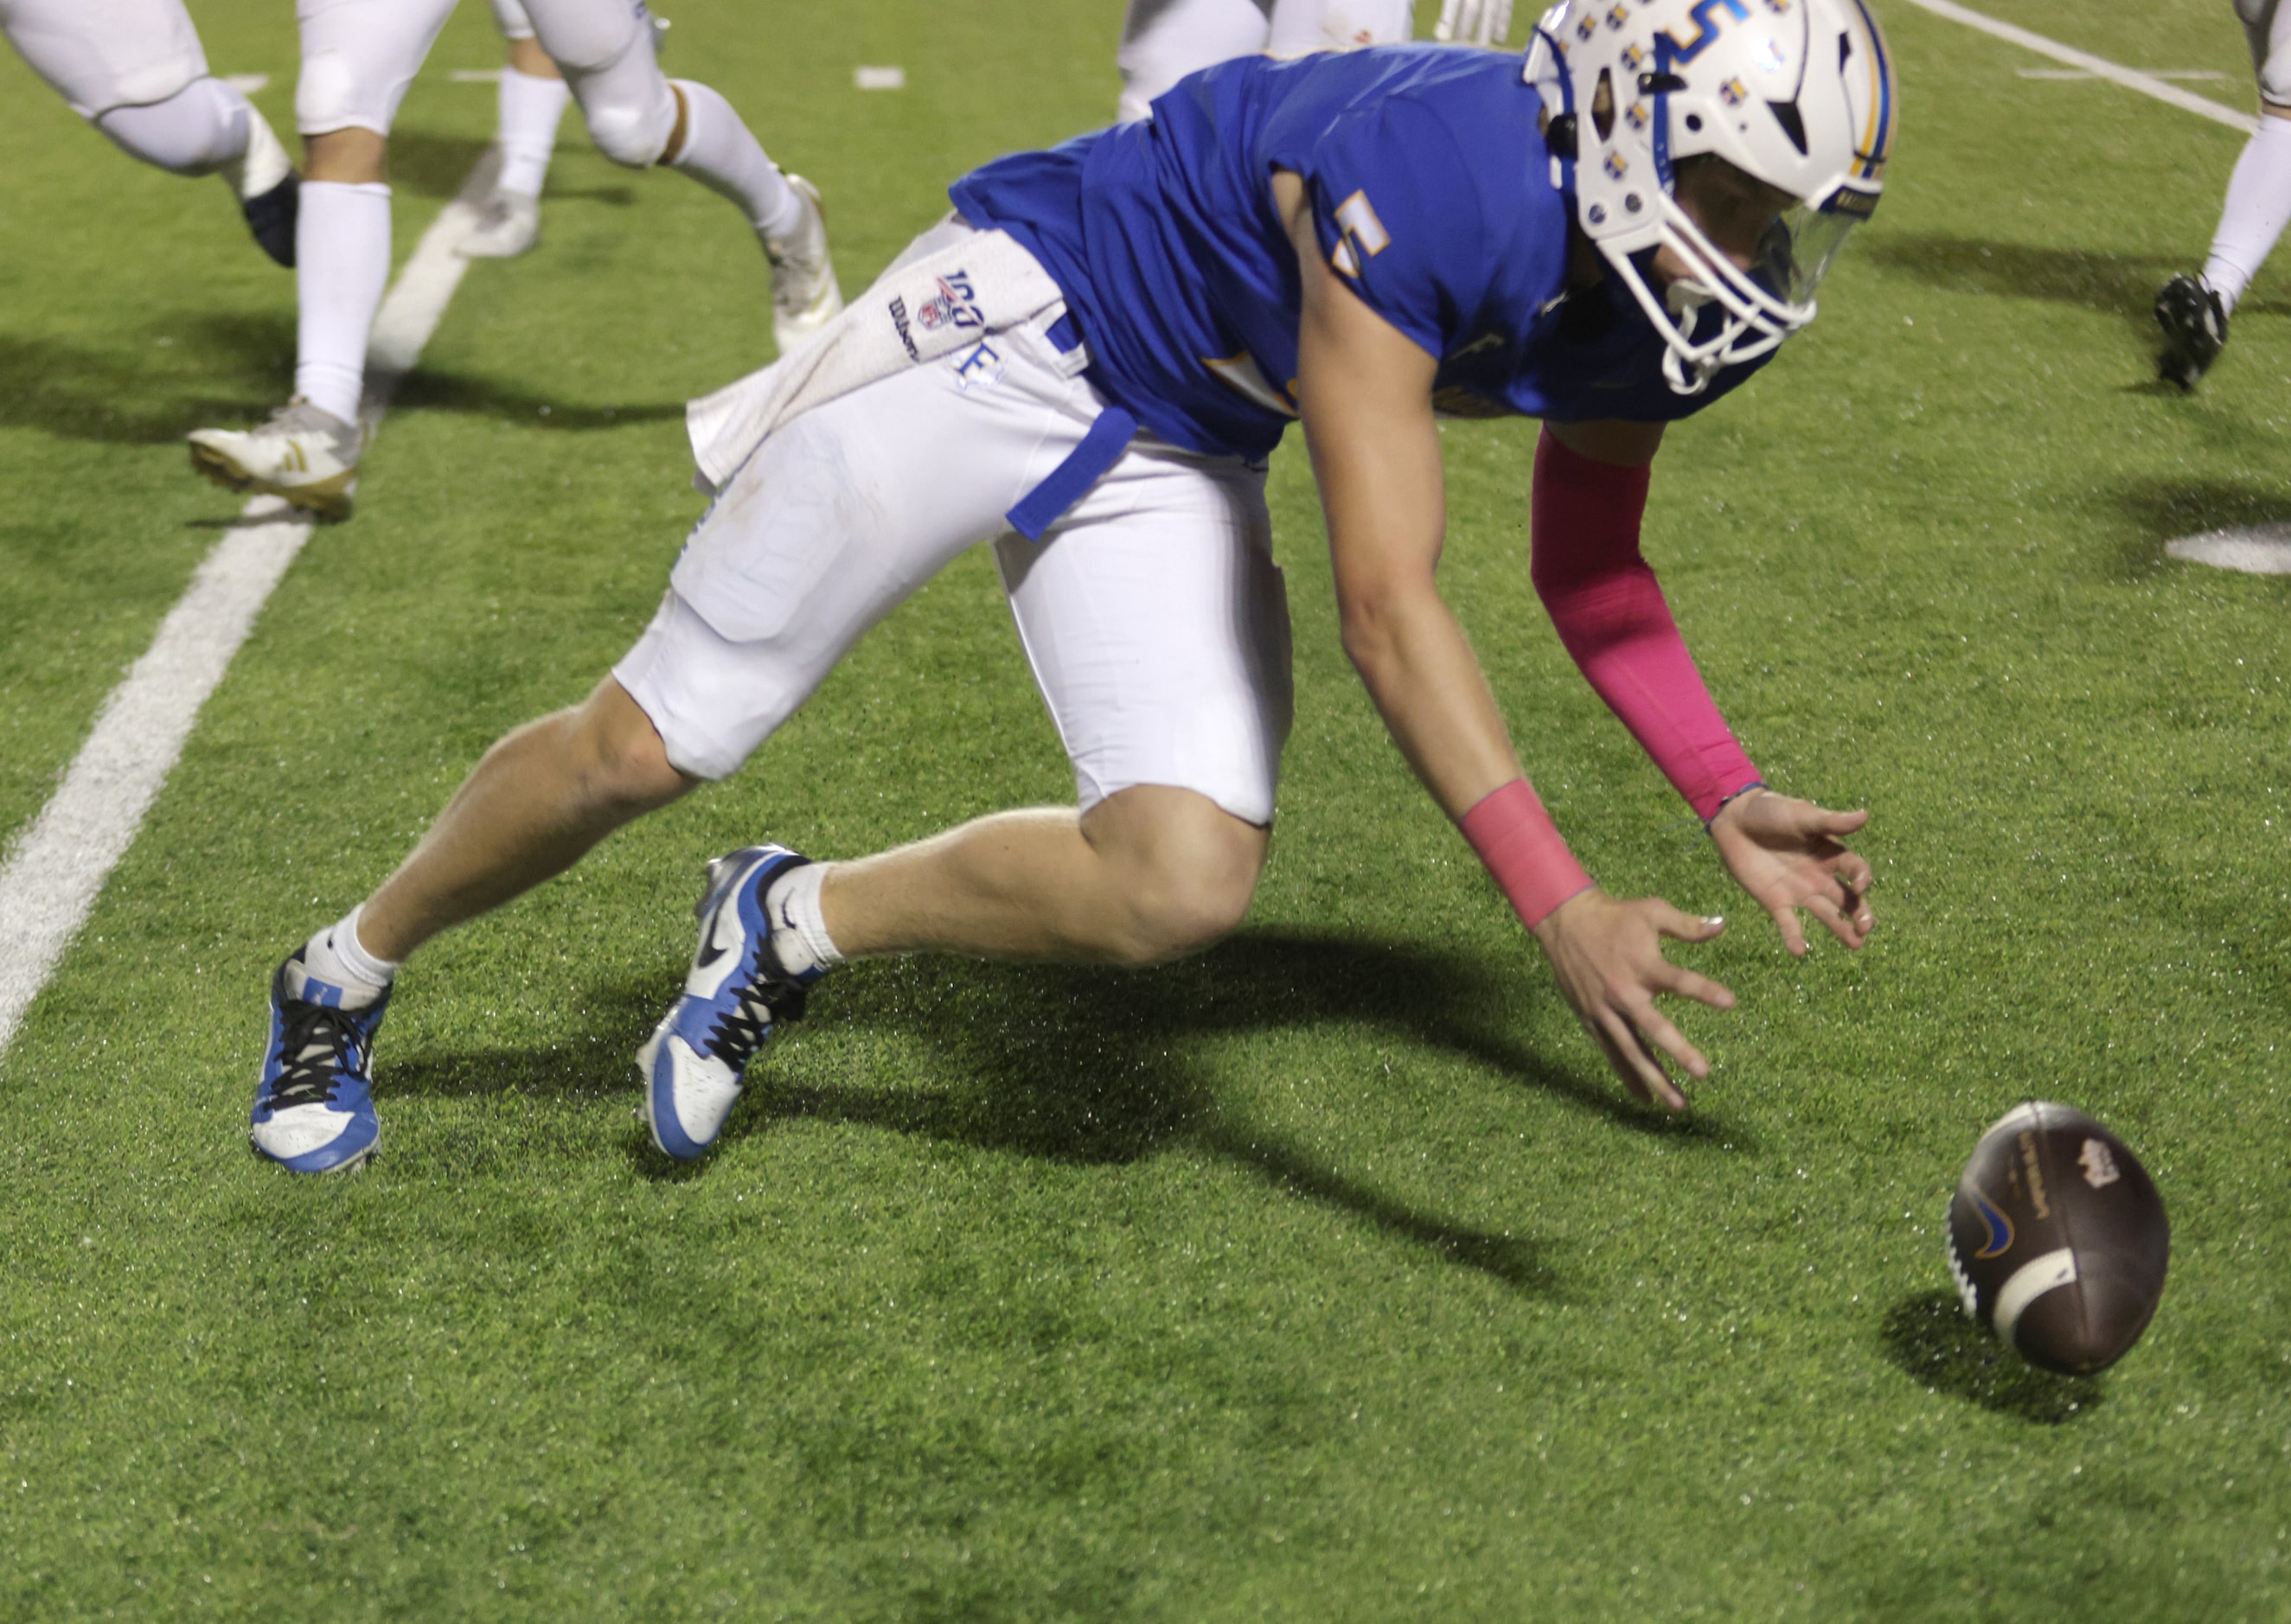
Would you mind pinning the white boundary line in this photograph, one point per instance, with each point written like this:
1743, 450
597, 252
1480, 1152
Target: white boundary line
58, 865
2130, 78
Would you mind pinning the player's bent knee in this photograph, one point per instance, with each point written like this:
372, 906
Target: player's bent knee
1180, 915
617, 753
195, 132
631, 131
1188, 870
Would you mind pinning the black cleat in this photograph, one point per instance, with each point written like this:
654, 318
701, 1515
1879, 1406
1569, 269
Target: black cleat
2195, 330
271, 218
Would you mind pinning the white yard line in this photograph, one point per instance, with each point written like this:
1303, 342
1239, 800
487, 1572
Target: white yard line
2078, 74
2130, 78
58, 865
2255, 549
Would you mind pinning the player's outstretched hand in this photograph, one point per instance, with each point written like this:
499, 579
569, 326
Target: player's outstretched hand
1474, 22
1608, 956
1788, 854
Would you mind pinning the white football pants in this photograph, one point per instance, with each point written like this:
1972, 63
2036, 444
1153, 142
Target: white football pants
1152, 613
509, 17
1164, 40
101, 54
2267, 29
359, 56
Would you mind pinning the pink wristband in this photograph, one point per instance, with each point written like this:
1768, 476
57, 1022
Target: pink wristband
1522, 846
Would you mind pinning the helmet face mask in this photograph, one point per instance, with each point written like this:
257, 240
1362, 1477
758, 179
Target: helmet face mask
1797, 95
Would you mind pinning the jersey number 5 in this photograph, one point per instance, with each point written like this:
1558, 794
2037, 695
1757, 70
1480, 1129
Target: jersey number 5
1361, 235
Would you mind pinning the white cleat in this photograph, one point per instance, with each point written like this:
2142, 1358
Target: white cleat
510, 225
307, 456
805, 297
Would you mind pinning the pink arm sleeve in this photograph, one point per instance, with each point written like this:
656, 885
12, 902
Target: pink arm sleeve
1610, 613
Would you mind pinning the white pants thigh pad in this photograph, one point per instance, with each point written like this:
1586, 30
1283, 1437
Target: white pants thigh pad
1164, 40
358, 56
582, 35
604, 49
1152, 615
1321, 25
101, 54
2267, 29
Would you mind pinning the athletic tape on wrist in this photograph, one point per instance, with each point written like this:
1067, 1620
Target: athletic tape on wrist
1524, 851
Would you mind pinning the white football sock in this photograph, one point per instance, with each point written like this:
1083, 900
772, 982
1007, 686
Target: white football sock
800, 938
531, 108
195, 132
341, 264
724, 156
336, 956
2258, 203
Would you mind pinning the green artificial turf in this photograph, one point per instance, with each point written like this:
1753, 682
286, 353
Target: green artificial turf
1324, 1276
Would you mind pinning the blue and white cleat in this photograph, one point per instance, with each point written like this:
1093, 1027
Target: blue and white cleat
314, 1106
737, 990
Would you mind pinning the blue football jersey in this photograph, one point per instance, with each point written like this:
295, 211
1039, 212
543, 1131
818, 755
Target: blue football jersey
1431, 188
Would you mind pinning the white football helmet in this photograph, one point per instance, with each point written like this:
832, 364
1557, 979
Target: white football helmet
1798, 94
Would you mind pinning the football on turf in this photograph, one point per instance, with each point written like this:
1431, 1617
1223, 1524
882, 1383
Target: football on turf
2058, 1239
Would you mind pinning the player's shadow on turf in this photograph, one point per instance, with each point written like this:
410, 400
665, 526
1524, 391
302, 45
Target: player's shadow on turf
611, 196
2110, 283
590, 1059
1088, 1067
431, 165
1094, 1066
1083, 1052
433, 390
2166, 509
243, 365
1931, 1338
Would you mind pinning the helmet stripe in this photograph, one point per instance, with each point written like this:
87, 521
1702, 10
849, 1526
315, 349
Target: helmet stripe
1877, 135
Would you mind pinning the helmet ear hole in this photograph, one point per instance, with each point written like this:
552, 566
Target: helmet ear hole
1793, 123
1694, 120
1602, 106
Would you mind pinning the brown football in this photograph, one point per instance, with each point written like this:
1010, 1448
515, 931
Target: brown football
2058, 1239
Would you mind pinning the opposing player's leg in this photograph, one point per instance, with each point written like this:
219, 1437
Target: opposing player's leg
1164, 40
135, 70
639, 117
531, 104
1321, 25
2193, 311
358, 56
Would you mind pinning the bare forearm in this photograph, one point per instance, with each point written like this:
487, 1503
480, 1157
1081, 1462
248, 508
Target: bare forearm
1419, 670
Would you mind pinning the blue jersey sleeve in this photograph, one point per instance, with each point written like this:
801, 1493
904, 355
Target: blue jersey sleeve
1400, 218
